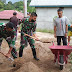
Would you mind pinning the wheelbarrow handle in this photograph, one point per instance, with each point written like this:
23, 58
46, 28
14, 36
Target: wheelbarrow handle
68, 43
53, 43
2, 53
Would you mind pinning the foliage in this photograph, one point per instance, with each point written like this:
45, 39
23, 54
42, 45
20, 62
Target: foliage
16, 6
30, 9
55, 18
1, 5
9, 6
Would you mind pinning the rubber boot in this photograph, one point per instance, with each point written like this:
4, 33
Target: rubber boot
34, 54
20, 52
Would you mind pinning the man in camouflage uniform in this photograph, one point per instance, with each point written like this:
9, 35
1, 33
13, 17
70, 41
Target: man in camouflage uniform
28, 27
9, 34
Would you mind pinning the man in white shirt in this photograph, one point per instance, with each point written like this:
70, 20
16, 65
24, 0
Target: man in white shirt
61, 27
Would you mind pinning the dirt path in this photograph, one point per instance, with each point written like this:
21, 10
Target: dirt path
27, 63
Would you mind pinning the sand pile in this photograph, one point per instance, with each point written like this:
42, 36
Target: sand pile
47, 40
29, 67
46, 37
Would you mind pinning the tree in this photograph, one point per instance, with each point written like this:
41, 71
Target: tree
9, 6
30, 9
16, 6
10, 3
28, 1
1, 5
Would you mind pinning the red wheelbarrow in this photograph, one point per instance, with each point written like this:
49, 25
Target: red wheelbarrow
61, 54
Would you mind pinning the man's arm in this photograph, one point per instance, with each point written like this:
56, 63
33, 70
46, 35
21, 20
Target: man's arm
54, 28
34, 31
55, 31
9, 52
66, 22
34, 35
21, 21
12, 43
66, 30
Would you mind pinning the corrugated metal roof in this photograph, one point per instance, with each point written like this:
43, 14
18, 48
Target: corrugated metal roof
6, 14
51, 3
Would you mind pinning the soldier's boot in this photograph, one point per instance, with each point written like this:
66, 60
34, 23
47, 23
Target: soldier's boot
34, 54
20, 52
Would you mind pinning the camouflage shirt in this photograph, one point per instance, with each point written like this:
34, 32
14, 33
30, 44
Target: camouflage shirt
28, 27
8, 35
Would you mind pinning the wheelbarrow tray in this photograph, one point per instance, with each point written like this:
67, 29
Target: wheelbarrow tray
61, 49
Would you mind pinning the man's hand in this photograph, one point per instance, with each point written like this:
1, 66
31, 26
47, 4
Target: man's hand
9, 52
7, 55
36, 38
65, 34
55, 35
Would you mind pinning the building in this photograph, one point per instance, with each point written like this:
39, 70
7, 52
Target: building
7, 14
47, 10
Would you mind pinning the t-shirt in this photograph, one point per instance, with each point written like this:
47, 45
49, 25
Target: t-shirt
60, 24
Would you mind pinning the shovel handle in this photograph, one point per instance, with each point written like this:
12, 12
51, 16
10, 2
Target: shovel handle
2, 53
29, 36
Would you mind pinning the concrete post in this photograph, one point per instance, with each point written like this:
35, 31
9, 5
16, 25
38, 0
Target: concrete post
25, 8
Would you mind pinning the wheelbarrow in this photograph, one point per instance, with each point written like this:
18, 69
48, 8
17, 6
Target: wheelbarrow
61, 54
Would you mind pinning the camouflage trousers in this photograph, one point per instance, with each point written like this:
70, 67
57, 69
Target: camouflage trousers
24, 43
13, 52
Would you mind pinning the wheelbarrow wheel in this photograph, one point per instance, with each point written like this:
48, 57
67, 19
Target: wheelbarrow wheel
61, 67
61, 61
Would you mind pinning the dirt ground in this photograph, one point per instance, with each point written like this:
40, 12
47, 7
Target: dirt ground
27, 63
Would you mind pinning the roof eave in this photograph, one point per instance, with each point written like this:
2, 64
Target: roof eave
51, 6
4, 19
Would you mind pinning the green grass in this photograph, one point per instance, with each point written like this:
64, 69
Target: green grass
45, 31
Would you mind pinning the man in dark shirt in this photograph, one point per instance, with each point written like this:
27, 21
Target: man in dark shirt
14, 20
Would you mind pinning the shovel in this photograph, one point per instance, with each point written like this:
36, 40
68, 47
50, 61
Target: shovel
9, 58
30, 36
35, 38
